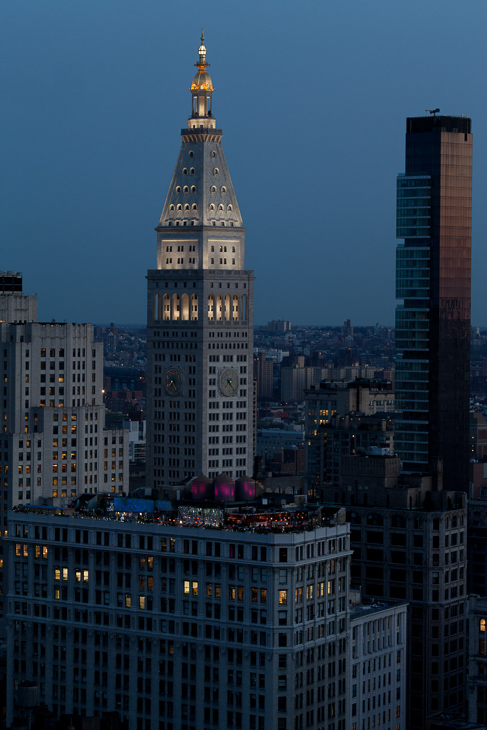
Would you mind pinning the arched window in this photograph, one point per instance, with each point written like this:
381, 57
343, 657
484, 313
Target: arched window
157, 307
185, 307
171, 207
216, 171
178, 189
194, 307
220, 207
175, 308
228, 305
213, 189
185, 189
192, 171
180, 207
186, 207
213, 154
166, 307
193, 188
212, 207
229, 207
235, 308
191, 153
211, 307
223, 189
185, 172
219, 308
194, 206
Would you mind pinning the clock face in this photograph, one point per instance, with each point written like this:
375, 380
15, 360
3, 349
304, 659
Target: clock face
228, 382
173, 381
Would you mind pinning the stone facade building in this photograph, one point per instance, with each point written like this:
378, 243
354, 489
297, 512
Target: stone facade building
53, 440
200, 314
409, 542
182, 627
377, 684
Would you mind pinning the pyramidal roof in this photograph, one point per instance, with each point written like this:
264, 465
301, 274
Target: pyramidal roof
201, 191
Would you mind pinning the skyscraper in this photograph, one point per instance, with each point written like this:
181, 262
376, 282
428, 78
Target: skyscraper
200, 313
434, 202
409, 519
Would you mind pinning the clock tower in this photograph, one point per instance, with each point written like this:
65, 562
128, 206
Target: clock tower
199, 314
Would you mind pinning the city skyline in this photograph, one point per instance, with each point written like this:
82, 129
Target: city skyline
86, 112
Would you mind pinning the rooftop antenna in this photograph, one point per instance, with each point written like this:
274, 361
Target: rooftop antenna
434, 112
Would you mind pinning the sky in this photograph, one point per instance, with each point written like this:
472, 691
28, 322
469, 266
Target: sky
312, 97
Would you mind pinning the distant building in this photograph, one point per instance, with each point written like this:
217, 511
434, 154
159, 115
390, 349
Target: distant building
347, 329
271, 441
264, 375
136, 431
295, 380
478, 436
280, 325
327, 444
343, 398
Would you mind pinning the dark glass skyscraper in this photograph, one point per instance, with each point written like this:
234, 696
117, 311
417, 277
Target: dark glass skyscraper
434, 204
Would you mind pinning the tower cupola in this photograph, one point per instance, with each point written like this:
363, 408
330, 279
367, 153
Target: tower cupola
201, 91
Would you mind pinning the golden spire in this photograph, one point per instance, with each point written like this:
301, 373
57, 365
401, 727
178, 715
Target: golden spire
202, 63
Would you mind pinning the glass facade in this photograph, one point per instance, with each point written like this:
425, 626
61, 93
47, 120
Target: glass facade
413, 206
413, 272
434, 200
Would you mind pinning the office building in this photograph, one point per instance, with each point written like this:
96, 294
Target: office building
377, 681
53, 440
409, 543
434, 202
200, 314
244, 624
327, 443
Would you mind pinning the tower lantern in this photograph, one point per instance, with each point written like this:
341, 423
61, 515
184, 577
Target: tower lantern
201, 92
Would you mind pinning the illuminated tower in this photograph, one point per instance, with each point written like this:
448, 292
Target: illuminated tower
434, 208
199, 313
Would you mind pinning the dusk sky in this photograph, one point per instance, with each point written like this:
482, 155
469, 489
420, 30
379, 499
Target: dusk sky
312, 97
